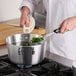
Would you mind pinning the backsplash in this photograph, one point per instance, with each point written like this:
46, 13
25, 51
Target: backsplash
9, 9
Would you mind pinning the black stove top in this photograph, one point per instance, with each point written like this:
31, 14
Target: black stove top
45, 68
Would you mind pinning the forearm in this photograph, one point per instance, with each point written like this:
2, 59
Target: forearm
26, 9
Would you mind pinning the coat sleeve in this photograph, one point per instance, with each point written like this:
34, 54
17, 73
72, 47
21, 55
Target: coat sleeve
34, 5
27, 3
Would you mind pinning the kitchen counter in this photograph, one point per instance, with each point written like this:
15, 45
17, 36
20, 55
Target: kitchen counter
9, 28
3, 50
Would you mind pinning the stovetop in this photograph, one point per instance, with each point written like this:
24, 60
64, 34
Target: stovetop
45, 68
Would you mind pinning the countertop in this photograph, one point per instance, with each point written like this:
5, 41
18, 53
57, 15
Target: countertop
3, 50
14, 23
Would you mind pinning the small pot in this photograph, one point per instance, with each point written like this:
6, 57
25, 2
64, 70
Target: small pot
25, 55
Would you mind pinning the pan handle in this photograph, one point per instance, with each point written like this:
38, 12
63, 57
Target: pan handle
19, 51
57, 30
33, 52
54, 31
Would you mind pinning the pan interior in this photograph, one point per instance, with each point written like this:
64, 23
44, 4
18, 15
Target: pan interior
25, 39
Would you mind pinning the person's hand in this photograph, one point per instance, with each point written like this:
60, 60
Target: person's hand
68, 25
24, 19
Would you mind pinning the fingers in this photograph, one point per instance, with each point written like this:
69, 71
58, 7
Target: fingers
63, 26
24, 21
27, 22
68, 24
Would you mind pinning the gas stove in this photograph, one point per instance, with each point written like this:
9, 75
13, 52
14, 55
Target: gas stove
45, 68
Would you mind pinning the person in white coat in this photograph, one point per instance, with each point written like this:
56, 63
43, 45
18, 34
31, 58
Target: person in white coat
60, 14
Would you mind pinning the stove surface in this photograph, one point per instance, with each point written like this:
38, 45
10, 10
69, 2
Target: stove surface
45, 68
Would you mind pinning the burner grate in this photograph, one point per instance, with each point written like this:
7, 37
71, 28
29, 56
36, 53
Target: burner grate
3, 64
7, 70
45, 68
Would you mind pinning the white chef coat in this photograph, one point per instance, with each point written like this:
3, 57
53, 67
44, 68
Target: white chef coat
57, 11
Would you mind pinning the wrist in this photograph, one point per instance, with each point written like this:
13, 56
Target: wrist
25, 10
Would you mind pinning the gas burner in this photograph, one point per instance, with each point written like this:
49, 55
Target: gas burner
45, 68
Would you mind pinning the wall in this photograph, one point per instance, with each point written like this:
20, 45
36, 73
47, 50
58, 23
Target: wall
9, 9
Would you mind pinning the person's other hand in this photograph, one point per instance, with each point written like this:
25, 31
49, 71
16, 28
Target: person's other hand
68, 25
24, 19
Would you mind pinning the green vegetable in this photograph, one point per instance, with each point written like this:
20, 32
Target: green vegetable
25, 43
14, 43
36, 39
